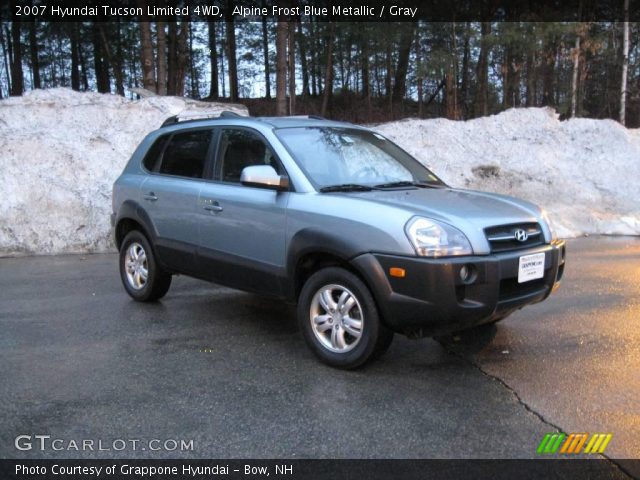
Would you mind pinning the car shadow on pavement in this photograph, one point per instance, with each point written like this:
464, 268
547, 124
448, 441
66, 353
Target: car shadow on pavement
469, 342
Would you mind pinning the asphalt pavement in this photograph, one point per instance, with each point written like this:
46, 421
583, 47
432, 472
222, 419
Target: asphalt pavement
228, 374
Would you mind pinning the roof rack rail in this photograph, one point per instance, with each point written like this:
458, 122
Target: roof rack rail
316, 117
190, 116
228, 114
170, 121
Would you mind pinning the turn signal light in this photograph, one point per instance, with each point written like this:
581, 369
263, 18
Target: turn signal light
397, 272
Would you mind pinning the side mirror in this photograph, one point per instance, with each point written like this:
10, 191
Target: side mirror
263, 176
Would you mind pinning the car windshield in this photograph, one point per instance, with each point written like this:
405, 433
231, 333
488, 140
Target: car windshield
334, 157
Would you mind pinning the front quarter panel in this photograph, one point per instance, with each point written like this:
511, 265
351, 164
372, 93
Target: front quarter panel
342, 226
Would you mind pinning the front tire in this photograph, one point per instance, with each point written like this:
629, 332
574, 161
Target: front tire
339, 319
143, 279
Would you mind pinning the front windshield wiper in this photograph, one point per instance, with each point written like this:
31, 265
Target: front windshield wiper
347, 187
405, 183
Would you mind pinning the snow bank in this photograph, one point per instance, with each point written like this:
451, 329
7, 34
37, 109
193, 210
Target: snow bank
585, 172
60, 152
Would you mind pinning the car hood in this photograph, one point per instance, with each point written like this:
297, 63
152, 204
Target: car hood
468, 210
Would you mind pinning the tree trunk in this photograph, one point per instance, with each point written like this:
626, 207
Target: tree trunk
81, 58
213, 60
231, 57
35, 63
328, 75
319, 48
625, 64
388, 73
387, 80
364, 52
265, 55
162, 58
291, 48
450, 95
172, 57
222, 69
506, 76
303, 61
464, 83
574, 76
6, 56
531, 71
281, 68
481, 101
119, 58
195, 85
182, 57
111, 61
437, 91
366, 84
148, 67
312, 59
549, 67
17, 76
133, 68
101, 67
75, 57
400, 80
515, 66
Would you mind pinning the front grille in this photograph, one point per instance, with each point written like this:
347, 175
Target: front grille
510, 288
504, 238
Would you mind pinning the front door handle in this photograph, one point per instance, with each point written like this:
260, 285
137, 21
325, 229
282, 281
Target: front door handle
151, 197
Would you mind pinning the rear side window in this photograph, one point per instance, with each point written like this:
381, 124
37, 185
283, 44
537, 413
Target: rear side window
186, 154
152, 159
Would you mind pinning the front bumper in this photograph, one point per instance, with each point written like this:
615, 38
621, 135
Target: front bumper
432, 299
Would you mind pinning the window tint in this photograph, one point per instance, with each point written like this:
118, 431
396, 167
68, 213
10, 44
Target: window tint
152, 159
186, 154
240, 149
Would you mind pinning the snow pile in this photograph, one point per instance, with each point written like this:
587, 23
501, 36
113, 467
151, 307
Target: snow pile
585, 172
60, 152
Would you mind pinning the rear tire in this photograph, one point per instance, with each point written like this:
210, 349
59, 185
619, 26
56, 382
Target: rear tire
339, 319
143, 279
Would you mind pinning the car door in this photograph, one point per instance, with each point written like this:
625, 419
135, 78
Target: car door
242, 228
170, 196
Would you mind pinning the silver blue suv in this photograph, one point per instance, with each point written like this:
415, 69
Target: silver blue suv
333, 217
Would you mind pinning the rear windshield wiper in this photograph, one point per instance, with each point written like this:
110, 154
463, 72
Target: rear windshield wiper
405, 183
347, 187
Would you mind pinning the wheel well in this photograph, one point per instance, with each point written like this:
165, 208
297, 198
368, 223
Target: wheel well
125, 226
312, 262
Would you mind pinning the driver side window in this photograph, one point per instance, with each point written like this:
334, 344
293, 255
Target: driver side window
240, 148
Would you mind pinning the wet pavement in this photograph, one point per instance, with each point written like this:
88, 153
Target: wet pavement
229, 371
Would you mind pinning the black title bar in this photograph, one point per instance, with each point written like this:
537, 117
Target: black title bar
320, 10
317, 469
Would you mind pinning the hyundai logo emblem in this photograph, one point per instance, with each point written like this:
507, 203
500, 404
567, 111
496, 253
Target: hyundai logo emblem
521, 235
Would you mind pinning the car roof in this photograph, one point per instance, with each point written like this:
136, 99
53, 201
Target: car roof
274, 122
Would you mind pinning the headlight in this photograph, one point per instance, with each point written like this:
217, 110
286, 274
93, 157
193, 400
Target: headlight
552, 230
433, 239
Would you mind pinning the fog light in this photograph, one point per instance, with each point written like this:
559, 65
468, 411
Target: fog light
467, 274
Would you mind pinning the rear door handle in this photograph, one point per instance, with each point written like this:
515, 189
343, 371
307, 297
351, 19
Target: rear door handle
151, 197
212, 206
